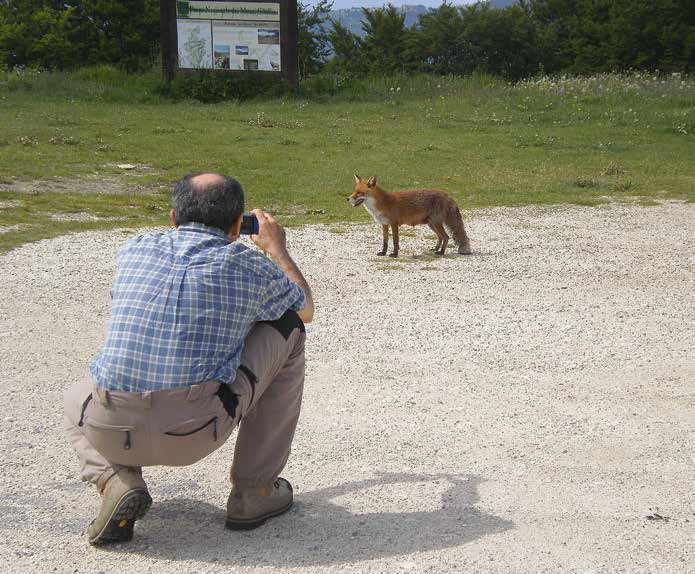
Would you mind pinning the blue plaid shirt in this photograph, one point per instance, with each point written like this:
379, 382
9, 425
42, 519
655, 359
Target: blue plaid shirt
183, 303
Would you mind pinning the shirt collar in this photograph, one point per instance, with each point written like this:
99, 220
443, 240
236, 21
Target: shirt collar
202, 228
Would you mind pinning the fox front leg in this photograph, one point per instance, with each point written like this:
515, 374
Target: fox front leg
385, 232
394, 228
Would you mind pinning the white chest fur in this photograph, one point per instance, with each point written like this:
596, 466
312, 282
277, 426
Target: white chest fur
370, 206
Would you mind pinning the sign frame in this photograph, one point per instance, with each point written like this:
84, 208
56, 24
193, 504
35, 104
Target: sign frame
289, 65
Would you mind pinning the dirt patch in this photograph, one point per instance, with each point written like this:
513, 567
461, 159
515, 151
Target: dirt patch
87, 184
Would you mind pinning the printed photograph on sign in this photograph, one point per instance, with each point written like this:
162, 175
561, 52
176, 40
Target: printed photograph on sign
222, 57
259, 45
195, 44
268, 36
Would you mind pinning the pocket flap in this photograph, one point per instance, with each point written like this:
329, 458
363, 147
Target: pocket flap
190, 426
99, 425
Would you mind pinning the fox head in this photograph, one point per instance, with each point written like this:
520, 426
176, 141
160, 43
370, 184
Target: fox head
363, 190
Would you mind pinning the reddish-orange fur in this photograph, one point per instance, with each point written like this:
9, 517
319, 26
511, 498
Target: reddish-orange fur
416, 207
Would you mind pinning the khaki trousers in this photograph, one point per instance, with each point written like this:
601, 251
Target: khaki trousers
176, 427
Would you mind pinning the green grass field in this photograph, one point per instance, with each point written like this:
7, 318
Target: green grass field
488, 143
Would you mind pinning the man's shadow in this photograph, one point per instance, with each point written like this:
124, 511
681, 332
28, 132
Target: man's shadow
318, 531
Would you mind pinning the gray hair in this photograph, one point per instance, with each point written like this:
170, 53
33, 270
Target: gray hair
217, 204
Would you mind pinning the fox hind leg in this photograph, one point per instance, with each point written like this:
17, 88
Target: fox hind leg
443, 236
385, 233
439, 237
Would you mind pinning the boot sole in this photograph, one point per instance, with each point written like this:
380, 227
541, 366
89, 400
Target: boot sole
251, 523
133, 505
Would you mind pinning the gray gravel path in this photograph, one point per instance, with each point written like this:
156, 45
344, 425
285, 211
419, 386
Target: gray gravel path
528, 408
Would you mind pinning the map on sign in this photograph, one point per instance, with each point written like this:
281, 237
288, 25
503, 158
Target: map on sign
228, 35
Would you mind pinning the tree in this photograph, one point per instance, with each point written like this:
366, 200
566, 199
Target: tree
55, 34
439, 41
388, 46
653, 35
313, 42
347, 51
464, 39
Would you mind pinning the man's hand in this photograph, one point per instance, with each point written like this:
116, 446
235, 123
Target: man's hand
271, 239
271, 235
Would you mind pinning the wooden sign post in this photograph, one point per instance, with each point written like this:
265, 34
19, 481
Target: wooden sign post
220, 36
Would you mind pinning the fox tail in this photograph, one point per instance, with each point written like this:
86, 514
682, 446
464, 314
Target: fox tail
454, 222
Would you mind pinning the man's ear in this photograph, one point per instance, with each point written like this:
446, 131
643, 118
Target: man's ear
235, 231
172, 214
372, 181
358, 179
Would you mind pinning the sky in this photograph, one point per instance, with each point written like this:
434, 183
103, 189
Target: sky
338, 4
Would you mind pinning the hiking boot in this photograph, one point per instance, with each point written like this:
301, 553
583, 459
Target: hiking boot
123, 500
248, 508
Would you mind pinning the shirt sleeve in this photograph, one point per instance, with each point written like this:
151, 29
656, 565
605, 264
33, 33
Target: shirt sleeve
279, 294
126, 248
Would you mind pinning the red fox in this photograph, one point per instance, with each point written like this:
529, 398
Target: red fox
416, 207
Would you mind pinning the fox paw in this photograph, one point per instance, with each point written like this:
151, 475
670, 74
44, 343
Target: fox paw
394, 254
380, 253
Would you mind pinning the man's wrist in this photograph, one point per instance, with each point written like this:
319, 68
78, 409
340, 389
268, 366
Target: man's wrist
279, 254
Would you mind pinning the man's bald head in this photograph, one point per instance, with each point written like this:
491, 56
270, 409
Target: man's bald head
212, 199
203, 181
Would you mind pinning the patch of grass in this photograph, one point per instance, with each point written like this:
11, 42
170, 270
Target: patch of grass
510, 145
35, 216
614, 168
624, 186
338, 230
585, 182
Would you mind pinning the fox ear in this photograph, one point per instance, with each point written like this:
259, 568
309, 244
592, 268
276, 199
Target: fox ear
358, 179
372, 181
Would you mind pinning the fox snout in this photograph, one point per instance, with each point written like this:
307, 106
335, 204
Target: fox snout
355, 201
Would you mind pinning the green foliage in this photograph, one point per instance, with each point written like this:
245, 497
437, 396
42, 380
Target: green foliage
348, 56
388, 46
585, 36
102, 83
532, 36
51, 34
477, 37
579, 36
312, 48
210, 87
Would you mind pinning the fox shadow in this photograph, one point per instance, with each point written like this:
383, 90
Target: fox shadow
317, 531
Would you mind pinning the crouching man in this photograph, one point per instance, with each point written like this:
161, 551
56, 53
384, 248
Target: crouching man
205, 334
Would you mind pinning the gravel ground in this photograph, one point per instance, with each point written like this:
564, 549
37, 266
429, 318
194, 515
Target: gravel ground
528, 408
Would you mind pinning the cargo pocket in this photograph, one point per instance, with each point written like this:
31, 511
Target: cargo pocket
189, 441
114, 442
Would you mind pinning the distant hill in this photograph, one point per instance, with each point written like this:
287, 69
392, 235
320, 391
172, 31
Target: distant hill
351, 18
